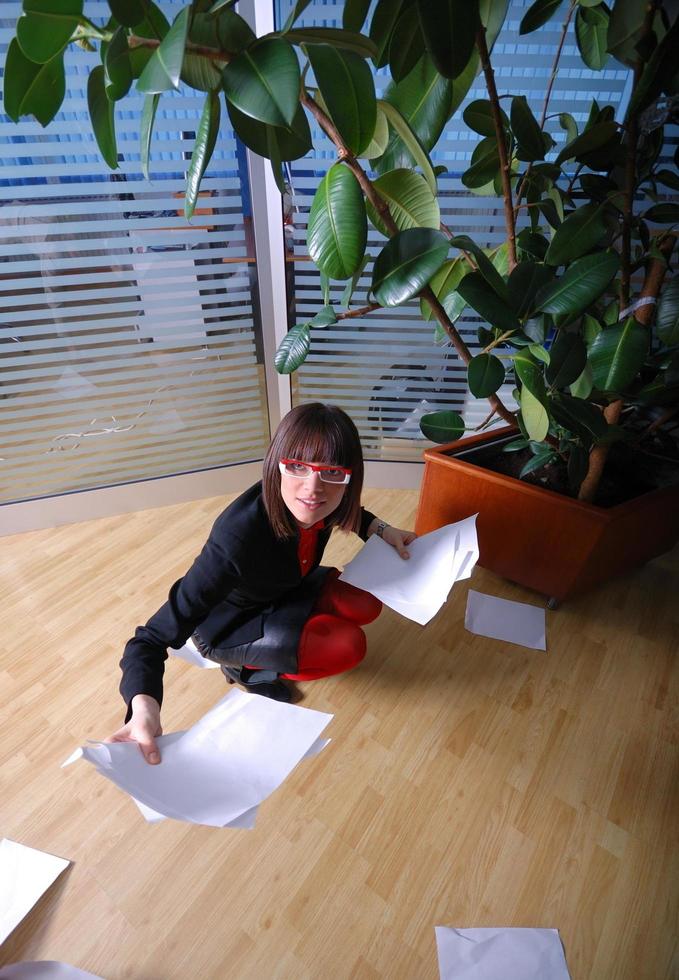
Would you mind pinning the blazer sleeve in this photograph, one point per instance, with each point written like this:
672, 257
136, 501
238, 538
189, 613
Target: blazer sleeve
211, 577
366, 520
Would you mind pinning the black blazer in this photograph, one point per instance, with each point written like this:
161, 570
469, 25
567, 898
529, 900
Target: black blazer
244, 594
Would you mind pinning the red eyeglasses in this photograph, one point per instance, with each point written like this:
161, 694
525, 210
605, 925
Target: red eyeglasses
328, 474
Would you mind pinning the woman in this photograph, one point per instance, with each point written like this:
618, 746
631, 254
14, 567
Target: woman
256, 599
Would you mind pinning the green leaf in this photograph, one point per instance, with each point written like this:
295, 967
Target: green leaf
591, 32
538, 14
411, 202
347, 87
442, 427
477, 292
532, 243
354, 14
625, 29
667, 321
32, 89
118, 71
534, 415
324, 318
225, 31
668, 178
263, 81
334, 36
525, 127
539, 353
485, 265
406, 264
582, 283
410, 141
485, 374
147, 119
154, 24
591, 139
617, 354
663, 214
380, 137
485, 164
351, 285
203, 147
460, 86
579, 417
293, 349
479, 116
568, 123
538, 461
658, 73
568, 358
296, 12
582, 386
164, 67
45, 27
384, 19
127, 12
449, 28
272, 142
407, 44
444, 286
338, 228
525, 281
101, 114
423, 99
580, 232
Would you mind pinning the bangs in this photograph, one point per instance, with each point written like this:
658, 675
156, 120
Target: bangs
319, 444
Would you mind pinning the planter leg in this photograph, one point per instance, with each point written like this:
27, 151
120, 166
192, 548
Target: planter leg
553, 603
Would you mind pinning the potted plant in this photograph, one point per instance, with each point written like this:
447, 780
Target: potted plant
577, 306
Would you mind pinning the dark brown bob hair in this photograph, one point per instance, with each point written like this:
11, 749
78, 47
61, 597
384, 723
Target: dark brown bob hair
314, 433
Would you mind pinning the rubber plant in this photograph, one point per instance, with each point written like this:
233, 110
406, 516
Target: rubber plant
576, 306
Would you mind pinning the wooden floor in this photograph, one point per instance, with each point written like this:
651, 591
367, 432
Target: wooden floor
468, 782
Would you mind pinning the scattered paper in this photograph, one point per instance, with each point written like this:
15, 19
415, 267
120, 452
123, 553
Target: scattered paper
190, 653
44, 970
510, 954
419, 586
25, 875
502, 619
220, 769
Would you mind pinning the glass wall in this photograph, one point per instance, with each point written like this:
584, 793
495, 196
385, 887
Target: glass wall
130, 339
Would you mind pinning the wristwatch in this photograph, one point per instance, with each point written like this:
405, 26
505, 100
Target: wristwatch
379, 530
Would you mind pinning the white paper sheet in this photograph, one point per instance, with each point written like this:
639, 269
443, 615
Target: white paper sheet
44, 970
246, 821
500, 954
25, 875
502, 619
191, 655
418, 587
221, 768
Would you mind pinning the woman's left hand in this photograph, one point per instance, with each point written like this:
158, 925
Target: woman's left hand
398, 539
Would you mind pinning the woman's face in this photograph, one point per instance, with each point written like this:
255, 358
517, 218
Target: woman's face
310, 500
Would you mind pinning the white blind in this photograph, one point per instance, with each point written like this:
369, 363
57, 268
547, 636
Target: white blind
130, 346
385, 368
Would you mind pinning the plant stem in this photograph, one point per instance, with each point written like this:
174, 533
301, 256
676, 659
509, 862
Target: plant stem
500, 139
134, 41
548, 93
360, 311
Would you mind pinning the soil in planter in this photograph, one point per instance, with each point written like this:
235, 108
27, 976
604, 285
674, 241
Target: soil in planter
629, 473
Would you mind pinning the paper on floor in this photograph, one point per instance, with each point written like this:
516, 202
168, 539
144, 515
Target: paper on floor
190, 653
417, 587
502, 619
221, 768
44, 970
500, 954
25, 875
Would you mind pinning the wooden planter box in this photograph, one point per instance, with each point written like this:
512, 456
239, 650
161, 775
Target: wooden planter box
536, 537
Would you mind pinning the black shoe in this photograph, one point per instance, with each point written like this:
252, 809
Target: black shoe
264, 682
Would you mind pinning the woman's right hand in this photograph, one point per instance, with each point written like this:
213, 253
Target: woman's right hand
143, 727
